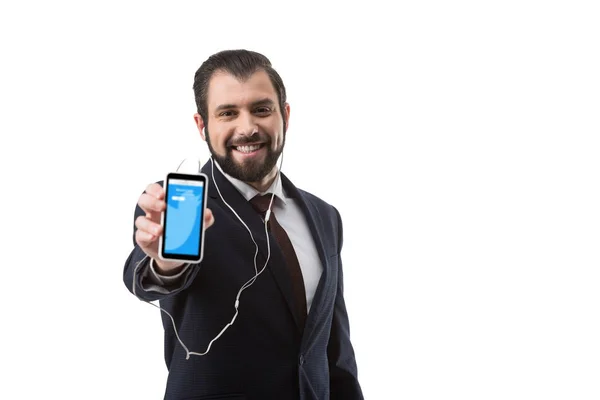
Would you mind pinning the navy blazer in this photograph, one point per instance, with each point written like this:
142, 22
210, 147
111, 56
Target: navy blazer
264, 354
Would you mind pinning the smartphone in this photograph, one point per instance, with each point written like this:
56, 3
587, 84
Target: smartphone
183, 219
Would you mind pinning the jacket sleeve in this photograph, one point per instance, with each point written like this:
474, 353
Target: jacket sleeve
149, 286
343, 374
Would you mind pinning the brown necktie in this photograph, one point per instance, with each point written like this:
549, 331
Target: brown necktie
261, 204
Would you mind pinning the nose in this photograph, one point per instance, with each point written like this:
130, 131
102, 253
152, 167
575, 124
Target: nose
247, 125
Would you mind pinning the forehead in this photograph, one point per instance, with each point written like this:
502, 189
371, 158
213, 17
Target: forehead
225, 88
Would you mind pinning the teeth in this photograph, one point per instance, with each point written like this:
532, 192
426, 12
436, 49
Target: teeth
248, 149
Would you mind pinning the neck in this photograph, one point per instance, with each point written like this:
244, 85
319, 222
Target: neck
265, 182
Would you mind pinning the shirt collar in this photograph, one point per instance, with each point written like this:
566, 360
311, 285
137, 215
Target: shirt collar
249, 192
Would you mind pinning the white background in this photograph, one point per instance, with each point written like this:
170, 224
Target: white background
459, 140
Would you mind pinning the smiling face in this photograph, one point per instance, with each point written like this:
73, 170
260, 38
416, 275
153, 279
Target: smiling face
245, 129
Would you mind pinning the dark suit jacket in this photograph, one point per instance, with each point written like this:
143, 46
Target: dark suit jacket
264, 354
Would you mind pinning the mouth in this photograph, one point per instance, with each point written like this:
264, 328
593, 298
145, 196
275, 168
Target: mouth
248, 148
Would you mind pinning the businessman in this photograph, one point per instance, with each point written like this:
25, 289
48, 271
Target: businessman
291, 336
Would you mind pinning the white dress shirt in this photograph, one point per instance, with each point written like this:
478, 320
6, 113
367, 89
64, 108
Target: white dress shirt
290, 217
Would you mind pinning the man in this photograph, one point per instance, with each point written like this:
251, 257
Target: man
291, 337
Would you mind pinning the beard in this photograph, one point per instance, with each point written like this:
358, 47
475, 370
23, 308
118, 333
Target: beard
252, 170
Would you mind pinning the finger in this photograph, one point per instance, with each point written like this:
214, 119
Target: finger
156, 191
146, 225
144, 239
209, 218
150, 204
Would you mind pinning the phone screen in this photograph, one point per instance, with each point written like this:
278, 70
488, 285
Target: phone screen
183, 217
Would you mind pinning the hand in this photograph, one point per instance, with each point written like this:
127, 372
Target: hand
149, 228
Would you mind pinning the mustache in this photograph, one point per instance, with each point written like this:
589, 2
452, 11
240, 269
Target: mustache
245, 139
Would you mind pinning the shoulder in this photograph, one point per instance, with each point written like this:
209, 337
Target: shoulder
309, 198
324, 215
324, 212
316, 201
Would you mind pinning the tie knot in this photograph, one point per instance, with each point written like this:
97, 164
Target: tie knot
261, 203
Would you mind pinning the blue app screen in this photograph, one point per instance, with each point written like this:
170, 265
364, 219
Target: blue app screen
183, 217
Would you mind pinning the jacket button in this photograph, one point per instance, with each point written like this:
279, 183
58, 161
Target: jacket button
301, 359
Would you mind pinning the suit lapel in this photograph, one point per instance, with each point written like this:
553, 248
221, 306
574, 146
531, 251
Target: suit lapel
311, 212
276, 265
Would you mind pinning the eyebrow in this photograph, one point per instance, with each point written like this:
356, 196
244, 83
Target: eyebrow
262, 102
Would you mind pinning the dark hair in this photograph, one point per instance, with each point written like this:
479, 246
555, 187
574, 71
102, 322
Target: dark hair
241, 64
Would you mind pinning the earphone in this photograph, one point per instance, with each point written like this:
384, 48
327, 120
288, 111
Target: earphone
244, 286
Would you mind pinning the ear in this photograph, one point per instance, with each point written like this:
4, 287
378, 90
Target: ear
200, 125
287, 116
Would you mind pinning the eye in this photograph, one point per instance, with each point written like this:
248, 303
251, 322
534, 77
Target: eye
226, 114
263, 111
